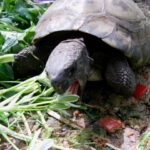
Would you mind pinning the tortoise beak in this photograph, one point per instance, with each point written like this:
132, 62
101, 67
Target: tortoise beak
60, 86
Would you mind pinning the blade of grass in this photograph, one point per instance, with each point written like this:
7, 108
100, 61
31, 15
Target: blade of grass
28, 89
42, 78
11, 82
8, 100
12, 100
20, 86
9, 141
28, 98
23, 137
26, 124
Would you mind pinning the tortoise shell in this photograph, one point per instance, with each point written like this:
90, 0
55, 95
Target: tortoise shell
119, 23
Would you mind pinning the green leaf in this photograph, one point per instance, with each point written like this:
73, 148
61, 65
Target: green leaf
7, 5
68, 98
22, 9
11, 39
58, 106
14, 41
29, 34
6, 72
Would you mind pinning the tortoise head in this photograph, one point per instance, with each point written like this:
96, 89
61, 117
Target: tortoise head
68, 63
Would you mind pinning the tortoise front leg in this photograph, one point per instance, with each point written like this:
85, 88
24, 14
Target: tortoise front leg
27, 62
119, 75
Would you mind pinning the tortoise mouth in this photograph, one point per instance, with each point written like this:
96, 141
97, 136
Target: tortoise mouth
74, 87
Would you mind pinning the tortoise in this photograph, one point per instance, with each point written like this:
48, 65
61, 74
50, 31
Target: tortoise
82, 40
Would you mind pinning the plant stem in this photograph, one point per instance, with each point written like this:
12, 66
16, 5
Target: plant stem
7, 58
26, 124
48, 130
21, 85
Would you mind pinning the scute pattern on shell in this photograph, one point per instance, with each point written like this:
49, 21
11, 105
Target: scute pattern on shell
119, 23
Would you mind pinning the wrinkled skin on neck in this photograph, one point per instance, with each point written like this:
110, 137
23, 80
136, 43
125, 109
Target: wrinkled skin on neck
68, 63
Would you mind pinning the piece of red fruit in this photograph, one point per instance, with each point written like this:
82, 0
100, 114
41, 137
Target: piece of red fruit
111, 124
140, 91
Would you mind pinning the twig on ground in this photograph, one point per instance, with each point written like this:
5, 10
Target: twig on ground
64, 120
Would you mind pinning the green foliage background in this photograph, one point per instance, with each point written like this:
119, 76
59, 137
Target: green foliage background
17, 23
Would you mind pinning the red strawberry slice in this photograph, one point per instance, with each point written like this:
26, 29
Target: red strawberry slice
140, 91
111, 124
